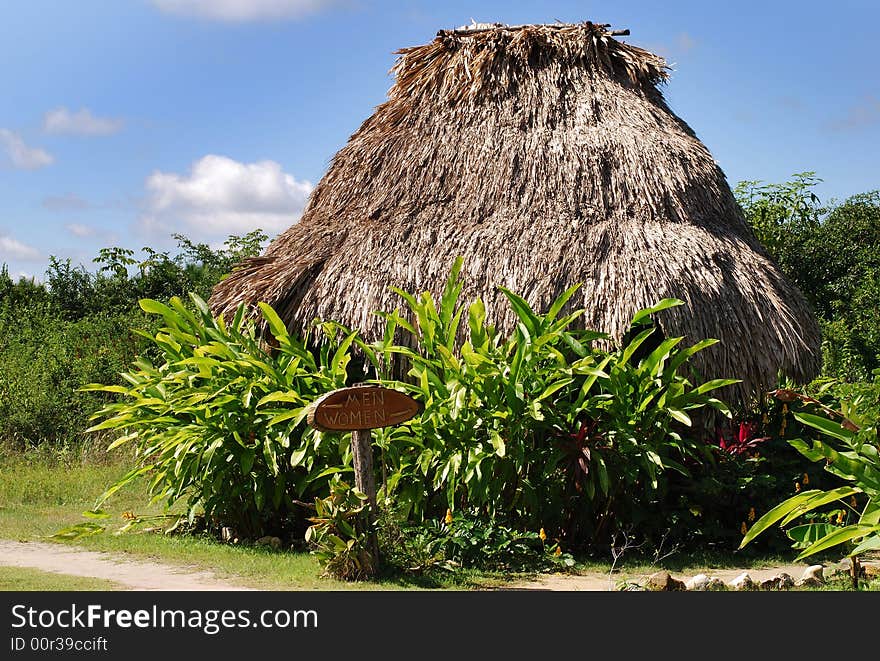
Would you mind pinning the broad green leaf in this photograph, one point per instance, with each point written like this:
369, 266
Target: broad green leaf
825, 425
714, 384
870, 543
838, 537
276, 325
246, 461
656, 358
200, 304
297, 415
524, 312
809, 533
451, 293
340, 358
560, 302
635, 344
684, 354
554, 387
777, 514
665, 304
121, 390
498, 443
290, 396
818, 500
79, 530
155, 307
681, 416
125, 479
96, 514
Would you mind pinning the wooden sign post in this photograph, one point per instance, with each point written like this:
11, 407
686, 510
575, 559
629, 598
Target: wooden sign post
359, 409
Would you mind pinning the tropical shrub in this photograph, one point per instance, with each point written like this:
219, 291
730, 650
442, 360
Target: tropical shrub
537, 430
220, 422
469, 539
848, 446
754, 467
338, 535
540, 428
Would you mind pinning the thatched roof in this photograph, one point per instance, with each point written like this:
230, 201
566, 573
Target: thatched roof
545, 155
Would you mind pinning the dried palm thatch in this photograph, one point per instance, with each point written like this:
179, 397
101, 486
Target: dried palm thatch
545, 155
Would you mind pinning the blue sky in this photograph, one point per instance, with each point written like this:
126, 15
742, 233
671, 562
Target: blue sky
124, 121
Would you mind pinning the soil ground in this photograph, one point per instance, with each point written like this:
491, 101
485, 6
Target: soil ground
134, 574
149, 575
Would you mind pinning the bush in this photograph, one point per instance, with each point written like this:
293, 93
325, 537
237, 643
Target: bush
78, 328
539, 429
830, 253
220, 421
43, 362
846, 448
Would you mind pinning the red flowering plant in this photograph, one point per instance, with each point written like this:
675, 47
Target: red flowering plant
740, 438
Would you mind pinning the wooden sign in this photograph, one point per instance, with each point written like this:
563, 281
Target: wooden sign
361, 407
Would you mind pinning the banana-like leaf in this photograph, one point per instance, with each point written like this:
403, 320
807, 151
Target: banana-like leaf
825, 425
869, 543
818, 500
793, 507
838, 537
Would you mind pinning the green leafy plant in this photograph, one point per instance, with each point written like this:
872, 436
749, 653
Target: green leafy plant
338, 535
540, 427
468, 539
220, 422
849, 448
829, 252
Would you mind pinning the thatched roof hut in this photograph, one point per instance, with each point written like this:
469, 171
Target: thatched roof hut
546, 156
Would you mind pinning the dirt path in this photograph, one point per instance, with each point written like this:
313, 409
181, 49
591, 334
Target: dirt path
149, 575
134, 574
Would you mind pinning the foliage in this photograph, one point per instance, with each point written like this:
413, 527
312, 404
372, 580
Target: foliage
830, 253
43, 362
540, 427
468, 539
755, 468
221, 421
849, 447
77, 328
785, 218
338, 535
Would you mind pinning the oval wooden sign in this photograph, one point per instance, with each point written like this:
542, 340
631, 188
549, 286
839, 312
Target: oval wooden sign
361, 407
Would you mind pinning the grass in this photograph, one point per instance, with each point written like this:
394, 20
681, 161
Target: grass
22, 579
42, 493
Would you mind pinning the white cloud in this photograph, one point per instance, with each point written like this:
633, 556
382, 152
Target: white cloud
236, 11
20, 155
80, 230
220, 196
81, 122
15, 249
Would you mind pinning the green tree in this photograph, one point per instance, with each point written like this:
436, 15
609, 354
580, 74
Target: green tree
830, 252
